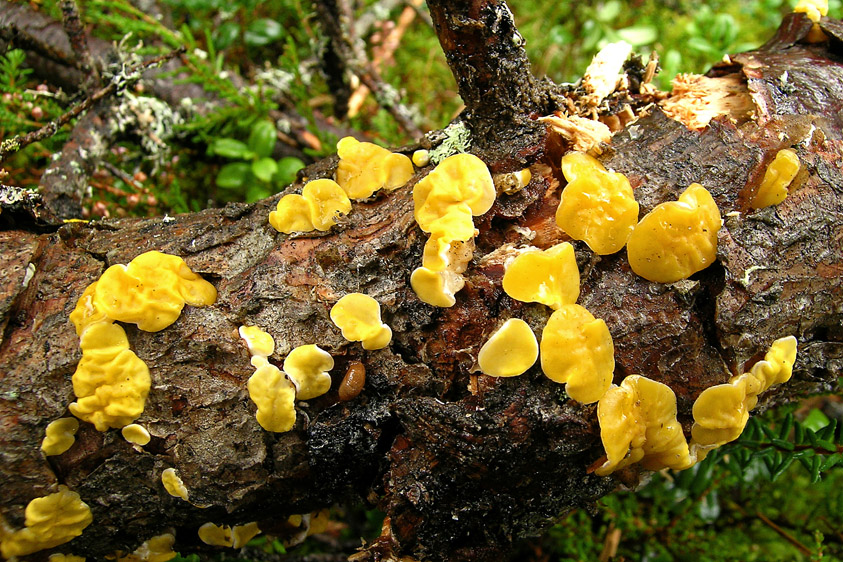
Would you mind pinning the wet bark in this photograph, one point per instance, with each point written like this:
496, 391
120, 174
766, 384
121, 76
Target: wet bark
461, 470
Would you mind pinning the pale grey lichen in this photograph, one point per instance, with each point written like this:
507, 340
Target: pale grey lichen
457, 139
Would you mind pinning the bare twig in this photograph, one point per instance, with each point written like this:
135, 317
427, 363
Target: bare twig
784, 534
16, 143
78, 40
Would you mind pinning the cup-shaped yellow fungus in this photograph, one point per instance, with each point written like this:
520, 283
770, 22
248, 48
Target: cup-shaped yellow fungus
49, 521
437, 288
421, 158
173, 484
223, 535
458, 179
364, 168
60, 436
275, 397
597, 207
777, 178
577, 349
677, 238
292, 214
157, 549
549, 277
638, 423
328, 201
85, 313
441, 253
721, 411
510, 351
151, 291
111, 383
359, 318
259, 342
65, 558
136, 434
308, 366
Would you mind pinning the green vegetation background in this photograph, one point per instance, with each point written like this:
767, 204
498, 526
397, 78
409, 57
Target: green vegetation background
751, 501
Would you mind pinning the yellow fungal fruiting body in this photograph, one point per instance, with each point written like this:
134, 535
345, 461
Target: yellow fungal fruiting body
224, 535
308, 366
65, 558
50, 521
111, 383
814, 9
259, 342
173, 484
317, 208
721, 411
421, 158
156, 549
151, 291
60, 436
577, 349
777, 178
510, 351
445, 201
275, 396
359, 318
638, 423
136, 434
365, 168
597, 207
677, 238
549, 277
85, 313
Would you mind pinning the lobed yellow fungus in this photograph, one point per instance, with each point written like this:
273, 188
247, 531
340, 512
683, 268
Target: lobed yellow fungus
721, 411
318, 206
365, 168
815, 10
777, 179
111, 383
60, 436
308, 366
49, 521
510, 351
421, 158
677, 238
260, 344
359, 318
65, 558
173, 484
597, 207
224, 535
638, 424
549, 277
85, 313
274, 395
150, 291
577, 349
157, 549
136, 434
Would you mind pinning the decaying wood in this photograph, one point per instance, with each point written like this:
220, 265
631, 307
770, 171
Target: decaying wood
462, 470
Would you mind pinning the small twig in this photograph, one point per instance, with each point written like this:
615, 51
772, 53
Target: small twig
610, 543
127, 179
16, 143
78, 39
784, 534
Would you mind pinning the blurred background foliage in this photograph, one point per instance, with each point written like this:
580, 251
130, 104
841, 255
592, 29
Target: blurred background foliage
774, 495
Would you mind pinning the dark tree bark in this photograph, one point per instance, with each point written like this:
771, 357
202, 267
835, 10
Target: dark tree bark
461, 470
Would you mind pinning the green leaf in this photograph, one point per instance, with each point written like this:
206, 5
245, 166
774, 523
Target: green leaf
287, 169
609, 11
786, 462
234, 175
638, 35
787, 425
256, 192
262, 138
816, 465
815, 420
226, 34
782, 444
264, 169
262, 32
230, 148
831, 462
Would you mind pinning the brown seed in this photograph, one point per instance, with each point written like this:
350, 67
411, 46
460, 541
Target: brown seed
353, 381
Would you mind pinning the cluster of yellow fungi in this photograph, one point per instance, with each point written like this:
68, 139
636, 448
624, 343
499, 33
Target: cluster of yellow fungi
274, 392
224, 535
157, 549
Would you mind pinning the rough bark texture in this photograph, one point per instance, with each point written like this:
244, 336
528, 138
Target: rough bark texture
460, 473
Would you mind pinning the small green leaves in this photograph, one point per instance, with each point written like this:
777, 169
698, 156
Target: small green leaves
262, 138
234, 175
264, 169
262, 32
230, 148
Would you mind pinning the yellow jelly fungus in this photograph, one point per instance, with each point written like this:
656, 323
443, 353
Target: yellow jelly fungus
597, 207
510, 351
638, 423
677, 238
441, 254
111, 383
136, 434
721, 411
437, 288
85, 313
223, 535
778, 177
61, 434
274, 395
365, 168
549, 277
421, 158
173, 484
49, 521
65, 558
151, 291
359, 318
577, 349
814, 9
156, 549
320, 204
259, 342
308, 366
